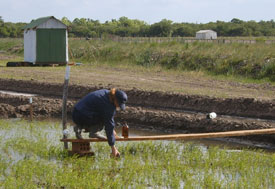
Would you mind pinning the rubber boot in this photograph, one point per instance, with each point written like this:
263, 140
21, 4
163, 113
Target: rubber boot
96, 135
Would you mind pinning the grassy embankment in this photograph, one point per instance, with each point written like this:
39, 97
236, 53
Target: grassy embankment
32, 157
256, 61
252, 61
11, 50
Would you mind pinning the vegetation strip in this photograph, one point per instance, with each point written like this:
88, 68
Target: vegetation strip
32, 156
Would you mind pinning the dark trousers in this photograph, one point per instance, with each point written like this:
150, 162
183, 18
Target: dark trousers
91, 125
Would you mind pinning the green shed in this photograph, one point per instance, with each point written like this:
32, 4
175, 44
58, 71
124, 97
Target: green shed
46, 41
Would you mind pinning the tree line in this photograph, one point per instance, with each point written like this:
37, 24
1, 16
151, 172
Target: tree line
125, 27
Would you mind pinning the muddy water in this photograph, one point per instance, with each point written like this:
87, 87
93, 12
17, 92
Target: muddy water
140, 130
52, 132
228, 143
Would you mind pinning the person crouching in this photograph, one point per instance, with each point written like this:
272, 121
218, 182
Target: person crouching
96, 110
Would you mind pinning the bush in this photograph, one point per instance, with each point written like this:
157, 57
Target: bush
268, 71
248, 60
147, 58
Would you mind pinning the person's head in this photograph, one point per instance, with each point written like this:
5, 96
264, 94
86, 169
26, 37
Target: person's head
119, 98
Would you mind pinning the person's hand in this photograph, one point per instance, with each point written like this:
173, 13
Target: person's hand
115, 152
116, 136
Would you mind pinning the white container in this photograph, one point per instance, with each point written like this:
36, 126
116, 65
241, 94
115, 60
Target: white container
212, 115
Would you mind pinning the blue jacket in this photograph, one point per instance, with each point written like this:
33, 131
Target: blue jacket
97, 106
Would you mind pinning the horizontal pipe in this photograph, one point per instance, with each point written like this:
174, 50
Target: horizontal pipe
182, 136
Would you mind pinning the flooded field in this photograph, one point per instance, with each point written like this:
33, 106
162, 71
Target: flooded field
33, 157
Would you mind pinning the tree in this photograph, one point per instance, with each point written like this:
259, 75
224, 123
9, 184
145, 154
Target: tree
124, 22
222, 28
161, 29
236, 21
1, 20
183, 30
4, 32
66, 21
86, 27
237, 31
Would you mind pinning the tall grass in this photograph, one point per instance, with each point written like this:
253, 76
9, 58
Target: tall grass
32, 157
12, 45
256, 61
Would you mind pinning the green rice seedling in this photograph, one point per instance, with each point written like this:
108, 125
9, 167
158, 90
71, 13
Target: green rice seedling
43, 163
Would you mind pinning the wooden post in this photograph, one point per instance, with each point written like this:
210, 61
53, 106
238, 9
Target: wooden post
64, 104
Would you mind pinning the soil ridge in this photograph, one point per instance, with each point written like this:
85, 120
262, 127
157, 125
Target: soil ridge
244, 107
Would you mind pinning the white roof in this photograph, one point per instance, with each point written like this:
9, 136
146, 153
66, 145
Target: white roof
45, 22
205, 31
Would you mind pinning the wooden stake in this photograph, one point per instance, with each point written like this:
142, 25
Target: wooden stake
183, 136
64, 104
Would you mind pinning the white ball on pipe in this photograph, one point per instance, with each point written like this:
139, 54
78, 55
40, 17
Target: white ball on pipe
66, 132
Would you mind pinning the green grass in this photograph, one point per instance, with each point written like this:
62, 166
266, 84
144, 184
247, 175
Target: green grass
250, 62
32, 157
254, 61
11, 49
12, 45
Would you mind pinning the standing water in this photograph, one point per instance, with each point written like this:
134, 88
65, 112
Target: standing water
33, 157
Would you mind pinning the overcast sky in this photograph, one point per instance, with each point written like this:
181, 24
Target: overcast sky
150, 11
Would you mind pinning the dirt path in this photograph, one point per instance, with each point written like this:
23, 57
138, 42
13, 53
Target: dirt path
188, 83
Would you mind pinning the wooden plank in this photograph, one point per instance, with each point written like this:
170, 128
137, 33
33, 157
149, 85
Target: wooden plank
183, 136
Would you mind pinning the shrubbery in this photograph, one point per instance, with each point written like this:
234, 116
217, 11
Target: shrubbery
255, 61
125, 27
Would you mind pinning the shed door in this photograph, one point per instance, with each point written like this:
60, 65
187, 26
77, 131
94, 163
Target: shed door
51, 45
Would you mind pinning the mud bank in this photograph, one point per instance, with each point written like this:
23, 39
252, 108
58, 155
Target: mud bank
246, 107
166, 119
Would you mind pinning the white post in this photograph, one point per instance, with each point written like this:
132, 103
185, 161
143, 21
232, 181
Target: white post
64, 104
31, 109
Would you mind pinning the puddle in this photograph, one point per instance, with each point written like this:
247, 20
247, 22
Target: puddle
26, 140
51, 131
17, 94
139, 130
